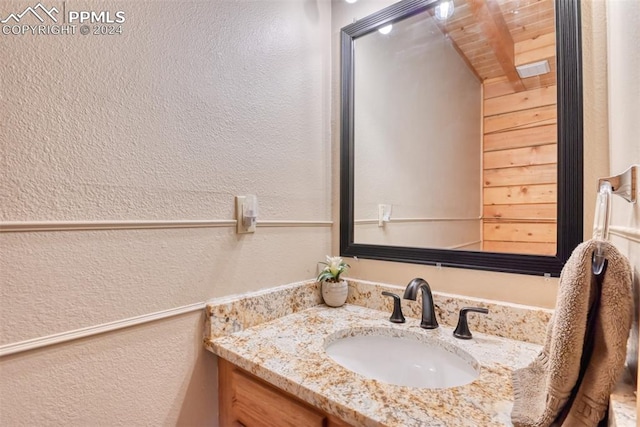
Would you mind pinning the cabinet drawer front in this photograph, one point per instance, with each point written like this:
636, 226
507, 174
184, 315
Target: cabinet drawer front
257, 405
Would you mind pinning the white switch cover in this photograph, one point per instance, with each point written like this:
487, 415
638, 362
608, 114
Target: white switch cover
245, 224
384, 214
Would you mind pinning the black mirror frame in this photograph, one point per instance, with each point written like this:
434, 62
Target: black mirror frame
570, 154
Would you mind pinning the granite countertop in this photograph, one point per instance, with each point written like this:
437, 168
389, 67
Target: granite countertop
279, 335
288, 352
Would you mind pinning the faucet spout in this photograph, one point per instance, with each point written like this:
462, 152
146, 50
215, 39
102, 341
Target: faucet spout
429, 320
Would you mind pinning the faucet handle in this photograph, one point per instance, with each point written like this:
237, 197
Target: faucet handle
397, 316
462, 330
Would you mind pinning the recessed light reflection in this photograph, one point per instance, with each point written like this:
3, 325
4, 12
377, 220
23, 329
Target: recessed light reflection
351, 1
386, 29
444, 10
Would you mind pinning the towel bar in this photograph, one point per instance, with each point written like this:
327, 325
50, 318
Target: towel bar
624, 185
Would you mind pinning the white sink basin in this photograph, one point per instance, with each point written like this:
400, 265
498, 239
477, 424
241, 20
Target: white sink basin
402, 357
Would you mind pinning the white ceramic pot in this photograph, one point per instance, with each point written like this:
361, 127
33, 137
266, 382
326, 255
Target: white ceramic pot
335, 293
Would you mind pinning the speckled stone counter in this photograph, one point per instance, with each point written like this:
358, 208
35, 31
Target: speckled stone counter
622, 404
289, 353
237, 312
280, 335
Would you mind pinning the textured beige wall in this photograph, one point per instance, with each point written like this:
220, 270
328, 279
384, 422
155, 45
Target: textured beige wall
194, 103
153, 374
596, 130
623, 33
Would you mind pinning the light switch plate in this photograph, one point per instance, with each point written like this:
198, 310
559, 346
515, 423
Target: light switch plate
384, 214
241, 228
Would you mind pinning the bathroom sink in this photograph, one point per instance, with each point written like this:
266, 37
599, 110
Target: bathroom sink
402, 358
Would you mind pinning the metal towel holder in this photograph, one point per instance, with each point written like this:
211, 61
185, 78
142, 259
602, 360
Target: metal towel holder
624, 185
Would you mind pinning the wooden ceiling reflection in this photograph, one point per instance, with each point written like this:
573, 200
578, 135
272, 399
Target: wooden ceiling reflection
495, 36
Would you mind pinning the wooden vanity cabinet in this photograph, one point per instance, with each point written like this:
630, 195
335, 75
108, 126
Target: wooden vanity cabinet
246, 400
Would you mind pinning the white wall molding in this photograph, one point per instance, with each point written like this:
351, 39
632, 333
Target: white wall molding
34, 343
632, 234
35, 226
462, 245
276, 223
375, 221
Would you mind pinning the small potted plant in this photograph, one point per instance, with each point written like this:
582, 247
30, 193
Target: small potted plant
334, 289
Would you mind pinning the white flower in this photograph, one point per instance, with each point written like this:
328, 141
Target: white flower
333, 264
334, 267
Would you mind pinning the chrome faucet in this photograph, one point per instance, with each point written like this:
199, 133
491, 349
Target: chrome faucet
429, 320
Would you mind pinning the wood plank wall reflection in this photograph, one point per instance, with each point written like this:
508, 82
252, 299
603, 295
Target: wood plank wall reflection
520, 159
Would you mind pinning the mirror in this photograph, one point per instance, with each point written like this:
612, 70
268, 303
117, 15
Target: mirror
451, 153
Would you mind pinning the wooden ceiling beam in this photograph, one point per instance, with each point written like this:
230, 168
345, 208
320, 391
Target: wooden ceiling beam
495, 29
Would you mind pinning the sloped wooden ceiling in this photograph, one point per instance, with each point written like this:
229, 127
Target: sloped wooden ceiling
495, 36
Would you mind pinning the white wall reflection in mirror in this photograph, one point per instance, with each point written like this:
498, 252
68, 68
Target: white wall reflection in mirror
417, 139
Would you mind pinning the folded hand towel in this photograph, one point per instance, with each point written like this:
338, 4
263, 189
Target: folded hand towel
553, 389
